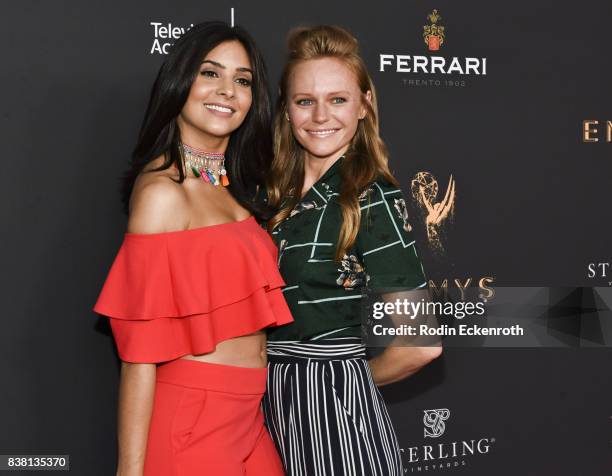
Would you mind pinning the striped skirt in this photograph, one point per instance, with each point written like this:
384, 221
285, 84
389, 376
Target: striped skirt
324, 412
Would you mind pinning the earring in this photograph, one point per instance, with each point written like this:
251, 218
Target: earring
287, 116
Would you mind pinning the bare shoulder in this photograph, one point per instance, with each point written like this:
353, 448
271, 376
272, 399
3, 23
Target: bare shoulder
157, 204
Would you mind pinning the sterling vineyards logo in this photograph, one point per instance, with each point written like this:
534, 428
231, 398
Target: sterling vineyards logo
454, 69
434, 422
444, 454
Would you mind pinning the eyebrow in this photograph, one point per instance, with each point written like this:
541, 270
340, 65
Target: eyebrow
242, 69
334, 93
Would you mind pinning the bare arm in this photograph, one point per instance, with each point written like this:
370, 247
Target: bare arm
157, 205
397, 363
136, 392
406, 355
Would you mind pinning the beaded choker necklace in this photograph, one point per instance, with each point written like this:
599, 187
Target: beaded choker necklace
209, 166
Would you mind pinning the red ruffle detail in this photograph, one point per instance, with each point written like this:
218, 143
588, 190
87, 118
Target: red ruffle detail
177, 293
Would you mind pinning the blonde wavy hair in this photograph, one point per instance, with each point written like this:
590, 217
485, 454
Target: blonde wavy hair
366, 159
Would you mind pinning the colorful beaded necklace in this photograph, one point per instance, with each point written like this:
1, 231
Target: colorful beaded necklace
209, 166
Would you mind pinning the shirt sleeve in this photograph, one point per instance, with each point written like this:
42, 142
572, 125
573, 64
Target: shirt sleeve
385, 242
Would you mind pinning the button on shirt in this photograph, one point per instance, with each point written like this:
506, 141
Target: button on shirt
325, 296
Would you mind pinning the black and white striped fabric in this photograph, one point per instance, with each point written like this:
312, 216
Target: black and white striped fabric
325, 413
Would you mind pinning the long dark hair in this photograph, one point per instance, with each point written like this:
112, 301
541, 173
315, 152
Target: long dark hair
249, 152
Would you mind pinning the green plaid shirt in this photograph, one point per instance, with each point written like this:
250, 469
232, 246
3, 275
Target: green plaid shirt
324, 295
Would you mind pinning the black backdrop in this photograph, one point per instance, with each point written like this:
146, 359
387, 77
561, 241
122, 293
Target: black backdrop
531, 208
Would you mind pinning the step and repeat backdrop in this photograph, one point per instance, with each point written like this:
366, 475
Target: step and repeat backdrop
499, 124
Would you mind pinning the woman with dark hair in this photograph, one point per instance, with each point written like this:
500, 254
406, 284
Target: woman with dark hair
195, 280
340, 230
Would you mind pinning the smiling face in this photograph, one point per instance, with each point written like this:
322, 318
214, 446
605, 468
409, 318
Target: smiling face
324, 106
219, 99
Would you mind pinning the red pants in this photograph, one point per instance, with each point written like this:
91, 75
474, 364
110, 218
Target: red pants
207, 420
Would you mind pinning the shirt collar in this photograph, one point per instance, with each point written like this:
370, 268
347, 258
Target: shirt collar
333, 171
327, 185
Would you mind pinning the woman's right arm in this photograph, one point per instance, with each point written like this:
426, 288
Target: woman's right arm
157, 205
387, 246
136, 392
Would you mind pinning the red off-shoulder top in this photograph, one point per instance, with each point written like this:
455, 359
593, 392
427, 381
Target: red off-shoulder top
175, 293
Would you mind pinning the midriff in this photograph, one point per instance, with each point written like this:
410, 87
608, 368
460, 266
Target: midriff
243, 351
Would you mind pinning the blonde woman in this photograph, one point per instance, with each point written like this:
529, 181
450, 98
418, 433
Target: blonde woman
339, 228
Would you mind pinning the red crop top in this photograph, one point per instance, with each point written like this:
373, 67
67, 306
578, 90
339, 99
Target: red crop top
182, 292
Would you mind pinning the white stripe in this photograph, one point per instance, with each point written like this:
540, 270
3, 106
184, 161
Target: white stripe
381, 248
363, 406
312, 243
309, 397
279, 409
372, 434
331, 299
313, 344
329, 445
338, 423
272, 342
351, 404
317, 232
315, 189
297, 351
371, 445
321, 349
349, 449
302, 444
371, 205
289, 288
292, 434
312, 350
381, 424
328, 333
317, 417
271, 416
392, 191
